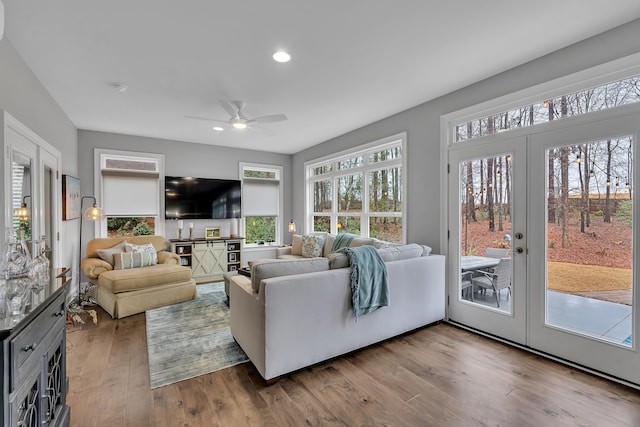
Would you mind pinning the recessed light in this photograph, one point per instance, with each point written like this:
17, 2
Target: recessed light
218, 128
281, 56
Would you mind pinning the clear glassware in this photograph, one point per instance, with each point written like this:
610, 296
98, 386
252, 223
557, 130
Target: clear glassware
16, 297
17, 258
15, 264
39, 270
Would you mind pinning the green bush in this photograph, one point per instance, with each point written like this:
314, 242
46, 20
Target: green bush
142, 229
625, 212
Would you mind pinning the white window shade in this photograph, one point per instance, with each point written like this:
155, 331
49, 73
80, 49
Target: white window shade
260, 197
130, 195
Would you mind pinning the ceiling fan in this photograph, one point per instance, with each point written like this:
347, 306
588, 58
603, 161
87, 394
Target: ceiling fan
237, 118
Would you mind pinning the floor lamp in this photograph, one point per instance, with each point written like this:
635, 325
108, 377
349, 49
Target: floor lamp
93, 213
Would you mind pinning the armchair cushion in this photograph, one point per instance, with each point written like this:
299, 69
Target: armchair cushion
107, 254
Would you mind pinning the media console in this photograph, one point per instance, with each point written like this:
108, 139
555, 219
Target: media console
209, 259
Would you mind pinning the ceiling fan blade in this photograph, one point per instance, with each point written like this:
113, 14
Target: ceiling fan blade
228, 107
208, 119
270, 118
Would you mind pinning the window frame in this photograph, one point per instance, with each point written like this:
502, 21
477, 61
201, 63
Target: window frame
279, 173
364, 150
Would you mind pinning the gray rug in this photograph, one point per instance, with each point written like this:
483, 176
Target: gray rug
191, 338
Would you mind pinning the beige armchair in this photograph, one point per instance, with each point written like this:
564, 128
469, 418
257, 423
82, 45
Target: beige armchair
127, 291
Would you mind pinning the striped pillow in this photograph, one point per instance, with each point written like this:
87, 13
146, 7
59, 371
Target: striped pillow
125, 260
146, 248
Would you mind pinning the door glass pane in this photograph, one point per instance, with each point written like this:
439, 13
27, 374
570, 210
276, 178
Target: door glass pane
485, 241
589, 237
22, 203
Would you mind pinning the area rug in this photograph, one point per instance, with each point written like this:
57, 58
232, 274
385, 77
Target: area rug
191, 338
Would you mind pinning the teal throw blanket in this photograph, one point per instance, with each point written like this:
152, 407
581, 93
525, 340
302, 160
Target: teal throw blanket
343, 240
369, 282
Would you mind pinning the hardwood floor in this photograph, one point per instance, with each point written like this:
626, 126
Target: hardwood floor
436, 376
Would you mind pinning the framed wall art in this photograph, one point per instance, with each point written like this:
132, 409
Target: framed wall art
70, 198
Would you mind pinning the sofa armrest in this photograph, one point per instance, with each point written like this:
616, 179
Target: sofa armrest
285, 250
92, 267
165, 257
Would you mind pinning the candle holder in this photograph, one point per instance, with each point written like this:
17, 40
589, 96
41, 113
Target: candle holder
179, 233
191, 234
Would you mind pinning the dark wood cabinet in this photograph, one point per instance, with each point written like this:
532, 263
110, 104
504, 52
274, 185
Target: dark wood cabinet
33, 353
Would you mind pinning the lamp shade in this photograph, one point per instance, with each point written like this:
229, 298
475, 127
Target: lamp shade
93, 213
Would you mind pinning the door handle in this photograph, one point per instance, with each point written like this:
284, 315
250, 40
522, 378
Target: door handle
519, 250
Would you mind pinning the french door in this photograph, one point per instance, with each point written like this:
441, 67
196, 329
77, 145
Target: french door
557, 205
487, 205
582, 299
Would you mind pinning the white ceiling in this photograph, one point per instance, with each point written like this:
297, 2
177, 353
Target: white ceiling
353, 62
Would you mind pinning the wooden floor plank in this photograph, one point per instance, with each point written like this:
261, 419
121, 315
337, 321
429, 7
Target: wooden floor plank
440, 375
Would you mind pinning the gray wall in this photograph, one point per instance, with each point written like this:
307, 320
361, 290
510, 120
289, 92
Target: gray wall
24, 97
181, 159
422, 124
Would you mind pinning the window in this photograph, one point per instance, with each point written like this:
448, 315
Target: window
597, 98
261, 203
129, 189
359, 192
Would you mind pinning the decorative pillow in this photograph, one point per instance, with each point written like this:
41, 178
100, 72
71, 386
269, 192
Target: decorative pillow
296, 245
107, 254
124, 260
147, 247
312, 246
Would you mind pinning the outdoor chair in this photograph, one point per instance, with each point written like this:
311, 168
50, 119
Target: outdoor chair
496, 280
466, 285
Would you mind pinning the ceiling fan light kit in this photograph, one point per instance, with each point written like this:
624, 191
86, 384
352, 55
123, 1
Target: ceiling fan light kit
239, 124
238, 120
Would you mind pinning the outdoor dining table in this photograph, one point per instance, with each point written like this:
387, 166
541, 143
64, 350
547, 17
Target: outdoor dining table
473, 262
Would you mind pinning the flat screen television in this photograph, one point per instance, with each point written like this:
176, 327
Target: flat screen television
201, 198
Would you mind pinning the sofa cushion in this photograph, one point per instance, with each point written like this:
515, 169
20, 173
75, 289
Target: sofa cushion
144, 248
426, 250
124, 260
338, 260
395, 253
267, 268
312, 246
144, 277
107, 254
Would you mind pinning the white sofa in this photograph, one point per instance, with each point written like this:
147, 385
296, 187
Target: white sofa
301, 318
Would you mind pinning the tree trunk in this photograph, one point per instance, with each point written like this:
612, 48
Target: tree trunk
471, 211
551, 197
492, 225
607, 199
